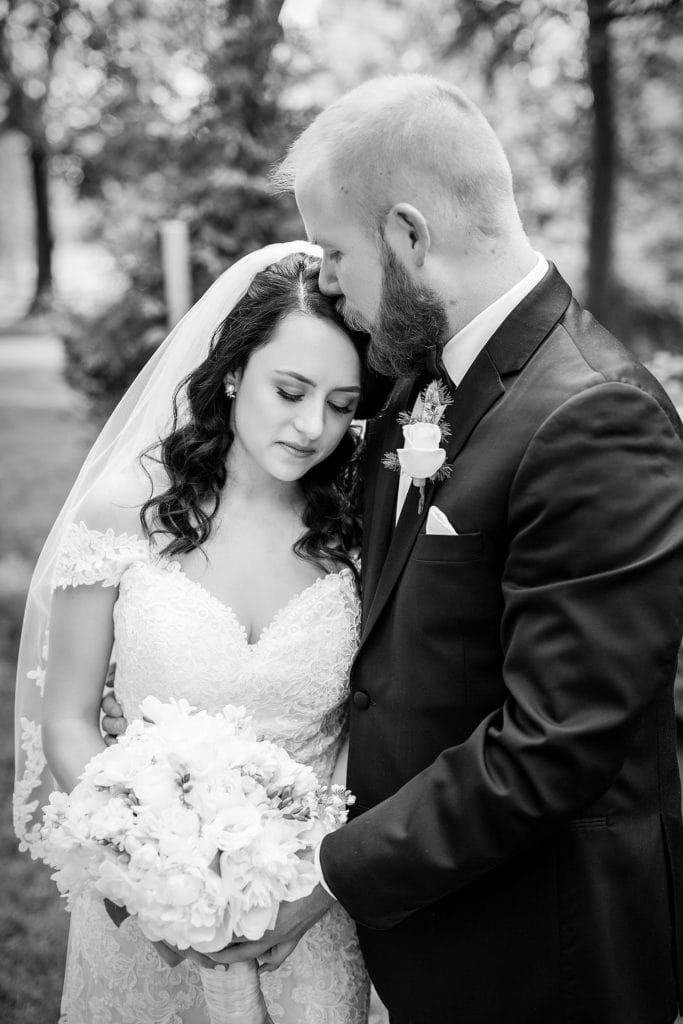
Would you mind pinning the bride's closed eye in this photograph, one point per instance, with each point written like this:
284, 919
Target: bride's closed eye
343, 410
288, 396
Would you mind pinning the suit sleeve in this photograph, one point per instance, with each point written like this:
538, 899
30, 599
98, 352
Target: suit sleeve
592, 589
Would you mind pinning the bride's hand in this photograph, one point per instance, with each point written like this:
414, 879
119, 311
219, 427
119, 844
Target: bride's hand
169, 954
173, 956
275, 956
293, 920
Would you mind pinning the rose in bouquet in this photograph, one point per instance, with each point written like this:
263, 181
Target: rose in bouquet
200, 830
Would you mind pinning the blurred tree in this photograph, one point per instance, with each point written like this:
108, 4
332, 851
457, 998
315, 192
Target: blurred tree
513, 30
604, 157
31, 33
603, 162
526, 63
189, 121
159, 108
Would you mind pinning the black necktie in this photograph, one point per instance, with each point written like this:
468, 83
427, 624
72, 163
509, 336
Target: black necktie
435, 367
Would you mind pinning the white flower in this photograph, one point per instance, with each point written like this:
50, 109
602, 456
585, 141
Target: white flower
423, 436
423, 455
156, 787
423, 458
256, 922
194, 825
236, 827
112, 821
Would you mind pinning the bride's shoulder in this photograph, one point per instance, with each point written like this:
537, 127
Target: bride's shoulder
104, 535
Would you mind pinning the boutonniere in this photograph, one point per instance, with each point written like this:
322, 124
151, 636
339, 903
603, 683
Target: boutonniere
423, 458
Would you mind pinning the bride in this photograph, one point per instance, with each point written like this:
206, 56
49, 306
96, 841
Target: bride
211, 537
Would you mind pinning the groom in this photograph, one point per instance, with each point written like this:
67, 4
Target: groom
516, 848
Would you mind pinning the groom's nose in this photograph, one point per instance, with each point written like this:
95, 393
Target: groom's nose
329, 285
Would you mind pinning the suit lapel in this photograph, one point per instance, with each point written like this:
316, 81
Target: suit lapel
529, 324
470, 402
481, 387
381, 485
508, 350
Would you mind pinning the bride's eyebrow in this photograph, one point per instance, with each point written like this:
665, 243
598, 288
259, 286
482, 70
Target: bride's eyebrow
304, 380
296, 376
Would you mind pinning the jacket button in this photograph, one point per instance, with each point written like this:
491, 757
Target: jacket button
361, 700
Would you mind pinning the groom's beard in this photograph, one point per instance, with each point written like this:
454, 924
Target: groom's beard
411, 319
354, 320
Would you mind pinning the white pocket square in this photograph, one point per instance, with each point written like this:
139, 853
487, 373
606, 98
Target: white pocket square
438, 524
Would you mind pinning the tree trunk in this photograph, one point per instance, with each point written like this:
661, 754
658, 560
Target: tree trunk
42, 296
602, 195
251, 49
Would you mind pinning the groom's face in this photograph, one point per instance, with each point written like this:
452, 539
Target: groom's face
352, 266
376, 292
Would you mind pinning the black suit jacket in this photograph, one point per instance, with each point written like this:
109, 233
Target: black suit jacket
516, 848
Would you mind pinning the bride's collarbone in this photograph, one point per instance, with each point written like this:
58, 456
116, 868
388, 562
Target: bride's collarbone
255, 580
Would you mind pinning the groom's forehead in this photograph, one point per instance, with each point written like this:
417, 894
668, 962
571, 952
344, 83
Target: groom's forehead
323, 201
332, 227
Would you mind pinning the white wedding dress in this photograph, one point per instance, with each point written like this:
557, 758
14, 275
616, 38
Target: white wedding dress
174, 639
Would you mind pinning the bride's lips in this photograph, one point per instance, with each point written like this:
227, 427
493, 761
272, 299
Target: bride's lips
298, 451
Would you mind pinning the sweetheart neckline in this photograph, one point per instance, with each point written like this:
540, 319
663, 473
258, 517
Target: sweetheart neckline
177, 569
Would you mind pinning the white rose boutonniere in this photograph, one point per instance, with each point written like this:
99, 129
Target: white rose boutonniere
423, 458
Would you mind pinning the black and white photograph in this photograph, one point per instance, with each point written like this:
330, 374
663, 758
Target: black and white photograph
341, 511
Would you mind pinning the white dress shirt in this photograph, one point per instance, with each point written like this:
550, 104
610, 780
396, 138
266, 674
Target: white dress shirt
458, 355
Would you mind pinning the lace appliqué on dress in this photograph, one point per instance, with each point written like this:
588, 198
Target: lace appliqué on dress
88, 556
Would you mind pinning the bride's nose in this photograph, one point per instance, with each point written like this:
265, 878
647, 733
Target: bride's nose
310, 419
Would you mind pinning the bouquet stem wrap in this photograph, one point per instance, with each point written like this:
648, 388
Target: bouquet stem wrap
234, 996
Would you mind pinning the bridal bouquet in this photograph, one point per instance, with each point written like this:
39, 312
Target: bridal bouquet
199, 829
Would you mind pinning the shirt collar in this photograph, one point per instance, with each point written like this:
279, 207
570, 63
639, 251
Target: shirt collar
463, 348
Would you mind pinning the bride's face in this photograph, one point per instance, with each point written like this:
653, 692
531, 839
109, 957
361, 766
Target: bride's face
295, 398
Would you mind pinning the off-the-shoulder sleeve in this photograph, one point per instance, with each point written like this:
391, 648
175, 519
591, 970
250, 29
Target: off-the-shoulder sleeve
90, 556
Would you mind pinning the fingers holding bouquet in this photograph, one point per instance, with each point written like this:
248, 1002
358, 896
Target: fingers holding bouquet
113, 722
275, 957
172, 956
293, 921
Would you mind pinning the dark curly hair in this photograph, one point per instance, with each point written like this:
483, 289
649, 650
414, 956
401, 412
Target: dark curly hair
194, 452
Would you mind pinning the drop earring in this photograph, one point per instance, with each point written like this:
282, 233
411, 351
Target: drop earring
230, 390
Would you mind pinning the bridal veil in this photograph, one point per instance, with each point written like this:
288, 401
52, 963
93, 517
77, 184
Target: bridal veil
140, 419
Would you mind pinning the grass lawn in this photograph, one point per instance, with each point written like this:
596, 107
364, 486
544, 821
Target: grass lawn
40, 451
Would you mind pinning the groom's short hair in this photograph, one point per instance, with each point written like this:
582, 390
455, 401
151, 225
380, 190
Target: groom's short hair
398, 137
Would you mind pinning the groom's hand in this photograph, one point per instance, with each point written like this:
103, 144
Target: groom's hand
113, 722
293, 921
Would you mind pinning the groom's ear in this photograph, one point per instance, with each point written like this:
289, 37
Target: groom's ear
407, 232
